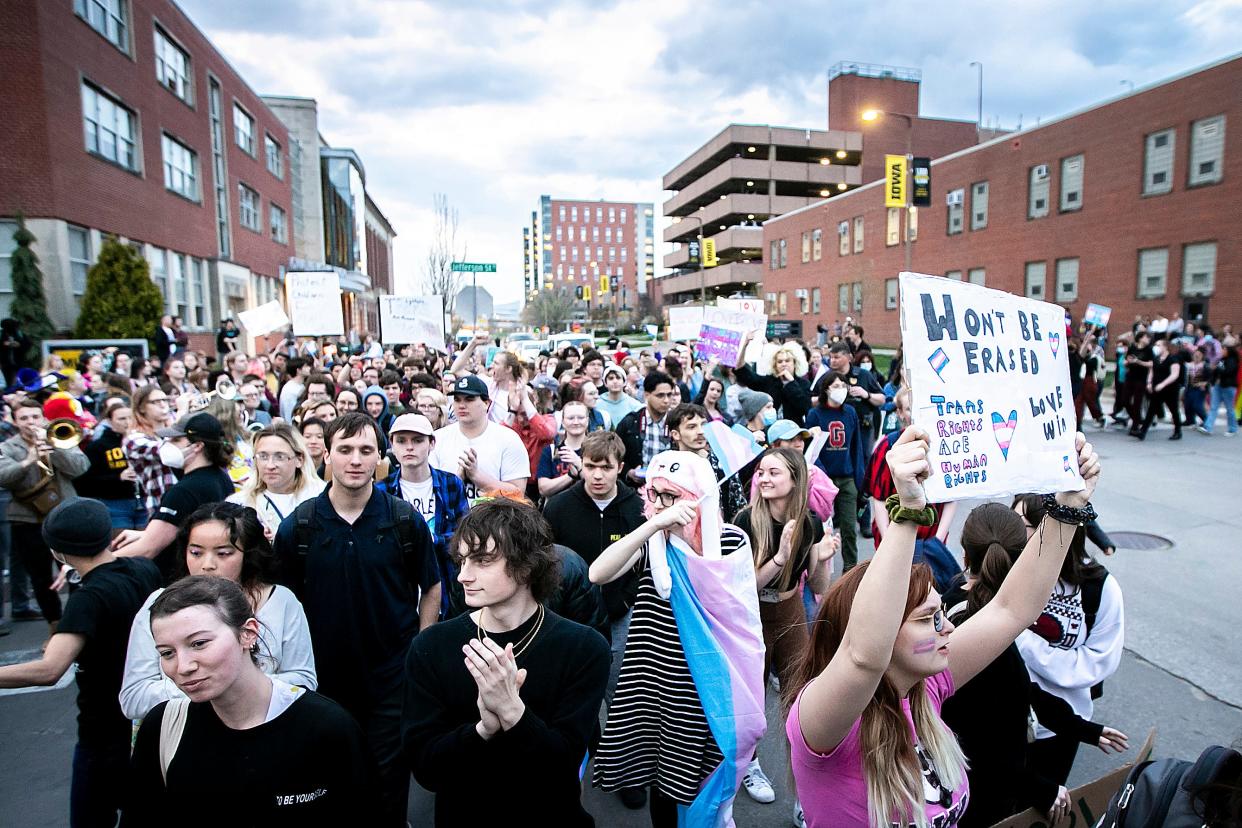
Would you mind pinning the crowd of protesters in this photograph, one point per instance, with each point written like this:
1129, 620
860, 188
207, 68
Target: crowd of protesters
331, 568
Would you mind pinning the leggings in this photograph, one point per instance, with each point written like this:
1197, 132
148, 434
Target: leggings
785, 637
37, 558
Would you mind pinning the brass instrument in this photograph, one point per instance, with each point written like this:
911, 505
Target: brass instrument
226, 389
63, 433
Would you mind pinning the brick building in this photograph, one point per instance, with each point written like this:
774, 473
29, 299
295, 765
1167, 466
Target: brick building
122, 118
748, 174
603, 244
1131, 203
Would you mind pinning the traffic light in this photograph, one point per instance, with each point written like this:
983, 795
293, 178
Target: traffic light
578, 292
603, 284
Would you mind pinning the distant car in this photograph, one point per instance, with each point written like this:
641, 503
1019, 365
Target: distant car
581, 341
512, 340
529, 349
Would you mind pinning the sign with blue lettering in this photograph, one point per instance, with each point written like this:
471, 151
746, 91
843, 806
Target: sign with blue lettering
989, 373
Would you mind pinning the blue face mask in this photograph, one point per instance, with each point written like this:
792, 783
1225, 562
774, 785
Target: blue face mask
769, 417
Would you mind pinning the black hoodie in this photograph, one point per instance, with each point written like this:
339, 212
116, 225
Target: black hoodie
579, 524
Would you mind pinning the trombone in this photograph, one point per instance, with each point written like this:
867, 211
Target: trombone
226, 389
62, 433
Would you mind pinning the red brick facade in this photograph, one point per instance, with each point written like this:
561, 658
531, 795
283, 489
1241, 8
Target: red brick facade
47, 52
1114, 221
612, 240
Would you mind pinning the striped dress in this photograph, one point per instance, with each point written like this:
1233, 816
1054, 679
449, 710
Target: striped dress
656, 733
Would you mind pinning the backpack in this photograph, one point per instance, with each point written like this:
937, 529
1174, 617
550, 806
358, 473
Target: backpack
1161, 794
402, 517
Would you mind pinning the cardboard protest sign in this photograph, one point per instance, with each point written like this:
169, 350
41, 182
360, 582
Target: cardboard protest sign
315, 303
990, 378
412, 319
684, 321
746, 305
1089, 800
720, 342
264, 319
1097, 315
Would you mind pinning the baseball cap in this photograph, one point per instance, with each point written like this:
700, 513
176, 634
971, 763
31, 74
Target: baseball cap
416, 423
786, 430
201, 426
470, 386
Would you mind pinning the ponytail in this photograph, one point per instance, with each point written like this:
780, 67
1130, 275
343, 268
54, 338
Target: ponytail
992, 538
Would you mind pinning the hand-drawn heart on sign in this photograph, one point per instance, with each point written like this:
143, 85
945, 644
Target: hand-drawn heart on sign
1004, 430
1054, 340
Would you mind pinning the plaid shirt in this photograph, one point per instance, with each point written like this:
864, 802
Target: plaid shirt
655, 437
143, 454
451, 505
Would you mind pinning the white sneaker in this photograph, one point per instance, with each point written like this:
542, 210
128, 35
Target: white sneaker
799, 818
757, 784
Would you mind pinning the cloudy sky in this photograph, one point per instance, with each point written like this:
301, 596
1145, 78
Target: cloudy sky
494, 102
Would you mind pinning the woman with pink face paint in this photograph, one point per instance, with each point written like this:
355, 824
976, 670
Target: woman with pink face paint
868, 745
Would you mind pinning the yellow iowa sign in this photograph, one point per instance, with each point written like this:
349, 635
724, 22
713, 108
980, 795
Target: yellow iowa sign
895, 181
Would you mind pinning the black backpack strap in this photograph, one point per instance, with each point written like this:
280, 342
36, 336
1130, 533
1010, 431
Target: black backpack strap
402, 515
1211, 765
303, 531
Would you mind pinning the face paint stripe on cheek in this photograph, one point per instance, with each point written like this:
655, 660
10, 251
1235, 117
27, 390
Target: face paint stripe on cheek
925, 646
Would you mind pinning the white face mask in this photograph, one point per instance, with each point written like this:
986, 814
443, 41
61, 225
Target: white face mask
866, 366
837, 395
172, 456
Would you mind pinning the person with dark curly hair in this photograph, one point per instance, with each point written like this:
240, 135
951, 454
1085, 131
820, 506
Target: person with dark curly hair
510, 692
226, 540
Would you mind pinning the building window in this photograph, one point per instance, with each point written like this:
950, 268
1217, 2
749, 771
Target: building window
976, 276
892, 227
612, 215
219, 165
858, 234
623, 254
562, 252
1071, 183
108, 17
599, 213
817, 244
1207, 150
594, 234
890, 294
620, 236
804, 300
1153, 272
172, 66
1037, 199
574, 254
783, 303
1036, 278
1199, 269
178, 296
599, 253
843, 298
159, 272
7, 246
558, 233
562, 212
784, 250
198, 284
843, 235
955, 275
573, 213
858, 287
955, 201
815, 300
978, 205
80, 258
1158, 162
248, 208
275, 161
280, 232
624, 213
109, 128
608, 235
243, 129
612, 254
180, 168
1067, 280
806, 247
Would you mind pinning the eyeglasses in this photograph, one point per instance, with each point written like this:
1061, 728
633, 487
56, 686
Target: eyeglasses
937, 618
273, 457
665, 499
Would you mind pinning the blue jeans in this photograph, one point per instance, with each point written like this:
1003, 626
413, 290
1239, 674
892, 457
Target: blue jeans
1226, 397
127, 514
98, 786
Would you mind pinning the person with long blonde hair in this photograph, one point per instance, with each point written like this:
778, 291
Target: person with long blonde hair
868, 746
284, 476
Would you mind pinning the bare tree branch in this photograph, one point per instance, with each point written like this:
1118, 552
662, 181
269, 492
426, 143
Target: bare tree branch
438, 276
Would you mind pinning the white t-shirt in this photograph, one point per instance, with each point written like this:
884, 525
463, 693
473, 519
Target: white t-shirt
499, 453
422, 498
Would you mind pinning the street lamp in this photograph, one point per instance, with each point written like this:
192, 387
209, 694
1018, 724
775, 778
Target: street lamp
874, 115
979, 66
702, 272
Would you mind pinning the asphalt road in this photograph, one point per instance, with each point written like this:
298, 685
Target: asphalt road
1181, 672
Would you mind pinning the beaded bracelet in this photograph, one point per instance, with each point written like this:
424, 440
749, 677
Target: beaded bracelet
902, 514
1068, 514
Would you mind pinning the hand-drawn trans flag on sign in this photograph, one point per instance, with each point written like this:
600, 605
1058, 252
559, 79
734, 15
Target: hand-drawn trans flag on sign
938, 360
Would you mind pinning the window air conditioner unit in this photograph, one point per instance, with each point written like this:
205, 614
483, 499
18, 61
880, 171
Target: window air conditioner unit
954, 198
800, 293
1041, 172
843, 229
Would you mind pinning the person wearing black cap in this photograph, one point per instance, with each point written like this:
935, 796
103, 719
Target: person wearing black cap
94, 632
483, 453
196, 447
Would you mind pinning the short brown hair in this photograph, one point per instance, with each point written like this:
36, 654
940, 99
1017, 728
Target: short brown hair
350, 424
520, 535
27, 402
603, 445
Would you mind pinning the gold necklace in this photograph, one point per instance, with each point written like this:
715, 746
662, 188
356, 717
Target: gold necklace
525, 640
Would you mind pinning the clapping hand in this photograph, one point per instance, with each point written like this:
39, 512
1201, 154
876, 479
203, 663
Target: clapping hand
496, 673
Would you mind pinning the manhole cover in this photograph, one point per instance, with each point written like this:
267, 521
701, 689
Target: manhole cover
1140, 540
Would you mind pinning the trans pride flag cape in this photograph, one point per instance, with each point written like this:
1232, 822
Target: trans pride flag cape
716, 607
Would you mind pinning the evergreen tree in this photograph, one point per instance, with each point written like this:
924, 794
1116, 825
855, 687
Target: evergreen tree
121, 301
29, 307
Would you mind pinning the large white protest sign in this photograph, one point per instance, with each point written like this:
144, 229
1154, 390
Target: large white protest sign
264, 319
413, 320
315, 303
990, 378
684, 321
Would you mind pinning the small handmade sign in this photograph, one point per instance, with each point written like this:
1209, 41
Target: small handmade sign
989, 372
721, 342
1097, 315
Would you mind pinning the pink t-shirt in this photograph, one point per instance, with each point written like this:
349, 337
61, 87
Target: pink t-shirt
831, 785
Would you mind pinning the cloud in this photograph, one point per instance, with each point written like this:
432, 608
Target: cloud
495, 102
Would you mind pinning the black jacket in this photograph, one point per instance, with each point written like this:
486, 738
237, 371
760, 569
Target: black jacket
579, 524
793, 398
577, 598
